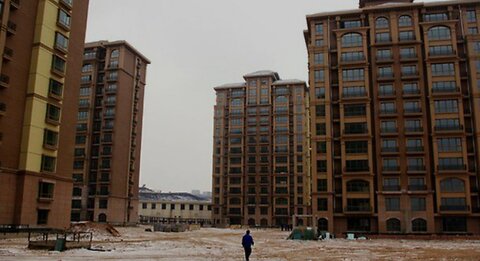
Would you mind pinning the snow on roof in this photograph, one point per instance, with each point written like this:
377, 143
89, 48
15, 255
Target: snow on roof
171, 197
263, 73
288, 81
231, 85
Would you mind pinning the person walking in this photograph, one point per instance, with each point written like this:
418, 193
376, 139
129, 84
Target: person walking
247, 243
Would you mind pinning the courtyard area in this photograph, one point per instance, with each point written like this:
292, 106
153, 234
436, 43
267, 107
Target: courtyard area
224, 244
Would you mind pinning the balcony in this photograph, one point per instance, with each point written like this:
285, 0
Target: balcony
413, 129
415, 149
358, 209
411, 92
354, 95
390, 150
7, 53
4, 81
365, 169
412, 110
452, 167
355, 132
415, 168
11, 27
454, 208
449, 128
389, 130
388, 112
417, 187
446, 90
3, 108
391, 168
392, 188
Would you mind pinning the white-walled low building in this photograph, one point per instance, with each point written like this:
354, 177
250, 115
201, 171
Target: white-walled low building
157, 207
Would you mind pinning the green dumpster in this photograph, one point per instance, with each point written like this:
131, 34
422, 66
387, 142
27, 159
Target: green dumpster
60, 244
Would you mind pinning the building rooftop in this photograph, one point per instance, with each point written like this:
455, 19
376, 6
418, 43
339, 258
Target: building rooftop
289, 81
105, 43
231, 85
146, 194
263, 73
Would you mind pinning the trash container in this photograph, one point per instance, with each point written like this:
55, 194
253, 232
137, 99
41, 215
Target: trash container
60, 244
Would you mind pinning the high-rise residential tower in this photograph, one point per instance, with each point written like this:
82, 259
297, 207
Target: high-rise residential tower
395, 111
108, 133
260, 160
42, 44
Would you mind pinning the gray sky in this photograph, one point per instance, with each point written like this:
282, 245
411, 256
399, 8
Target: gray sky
194, 46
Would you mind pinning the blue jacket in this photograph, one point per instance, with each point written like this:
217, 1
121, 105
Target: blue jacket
247, 241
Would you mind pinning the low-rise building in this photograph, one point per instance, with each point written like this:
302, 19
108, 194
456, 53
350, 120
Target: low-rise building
173, 207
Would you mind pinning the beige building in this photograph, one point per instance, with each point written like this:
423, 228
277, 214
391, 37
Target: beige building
395, 112
41, 43
106, 164
261, 166
157, 207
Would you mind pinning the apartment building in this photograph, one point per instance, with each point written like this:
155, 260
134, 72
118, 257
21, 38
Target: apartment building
174, 207
261, 157
108, 133
41, 42
394, 97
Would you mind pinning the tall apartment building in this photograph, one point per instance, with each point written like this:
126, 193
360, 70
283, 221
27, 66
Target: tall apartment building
108, 133
42, 42
395, 111
260, 160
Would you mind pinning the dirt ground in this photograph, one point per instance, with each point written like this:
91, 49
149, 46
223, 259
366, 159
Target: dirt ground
224, 244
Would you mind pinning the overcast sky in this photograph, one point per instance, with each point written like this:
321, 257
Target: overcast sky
194, 46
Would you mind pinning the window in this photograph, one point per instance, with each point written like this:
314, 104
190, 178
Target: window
414, 145
393, 225
352, 56
352, 24
320, 93
443, 69
319, 28
61, 41
45, 190
358, 186
356, 128
58, 64
319, 75
386, 90
382, 37
387, 108
415, 164
384, 54
392, 204
350, 110
318, 42
412, 107
352, 40
446, 106
452, 185
322, 185
472, 30
439, 50
471, 16
449, 144
115, 53
53, 113
42, 216
320, 129
416, 184
419, 225
406, 36
411, 88
48, 163
435, 17
390, 145
63, 18
418, 204
443, 86
357, 165
413, 126
84, 91
103, 204
322, 204
319, 110
391, 184
321, 166
405, 20
408, 53
453, 204
454, 224
388, 127
55, 88
318, 58
321, 147
439, 33
354, 147
354, 91
353, 74
390, 164
409, 70
381, 22
451, 164
447, 124
50, 138
82, 115
385, 72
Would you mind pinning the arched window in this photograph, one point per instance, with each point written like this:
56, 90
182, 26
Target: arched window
281, 99
393, 225
404, 20
439, 33
235, 201
381, 22
452, 185
323, 224
358, 186
352, 40
115, 53
281, 201
419, 225
102, 218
